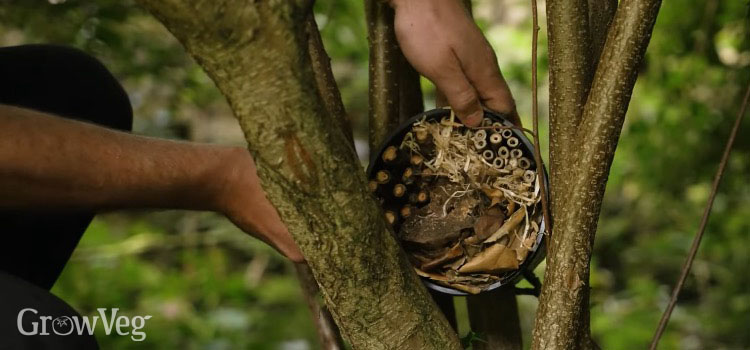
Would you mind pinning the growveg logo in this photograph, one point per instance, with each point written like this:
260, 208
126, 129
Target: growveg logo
67, 325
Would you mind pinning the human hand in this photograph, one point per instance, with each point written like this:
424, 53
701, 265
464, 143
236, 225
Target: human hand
443, 43
243, 201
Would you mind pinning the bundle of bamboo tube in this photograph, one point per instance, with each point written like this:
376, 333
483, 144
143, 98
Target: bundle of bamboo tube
463, 201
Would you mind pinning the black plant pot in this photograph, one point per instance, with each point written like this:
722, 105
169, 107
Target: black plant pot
396, 137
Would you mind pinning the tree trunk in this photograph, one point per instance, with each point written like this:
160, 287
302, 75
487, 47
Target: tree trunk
583, 143
494, 316
257, 54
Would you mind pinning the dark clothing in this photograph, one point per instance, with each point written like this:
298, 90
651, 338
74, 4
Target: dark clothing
37, 245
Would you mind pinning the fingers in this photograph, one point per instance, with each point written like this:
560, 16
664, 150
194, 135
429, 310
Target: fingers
479, 63
459, 92
285, 245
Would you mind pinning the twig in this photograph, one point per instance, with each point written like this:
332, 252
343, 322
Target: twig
328, 332
535, 116
702, 228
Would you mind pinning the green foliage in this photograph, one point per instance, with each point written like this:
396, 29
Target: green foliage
211, 287
472, 337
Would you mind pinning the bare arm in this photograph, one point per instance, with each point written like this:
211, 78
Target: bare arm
55, 163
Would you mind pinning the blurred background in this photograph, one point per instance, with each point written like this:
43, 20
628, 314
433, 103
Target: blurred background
210, 286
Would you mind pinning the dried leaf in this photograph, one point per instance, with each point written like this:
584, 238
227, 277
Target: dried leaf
509, 225
462, 287
495, 195
457, 264
432, 276
488, 223
449, 255
496, 258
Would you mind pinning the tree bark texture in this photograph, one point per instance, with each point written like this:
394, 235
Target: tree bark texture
395, 95
257, 54
494, 316
328, 333
562, 319
395, 92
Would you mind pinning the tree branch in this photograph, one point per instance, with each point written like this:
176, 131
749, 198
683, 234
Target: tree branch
327, 87
494, 317
702, 227
328, 333
395, 96
384, 78
571, 70
410, 98
562, 321
601, 13
257, 54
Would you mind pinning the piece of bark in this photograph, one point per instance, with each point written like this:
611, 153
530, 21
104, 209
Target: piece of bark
430, 229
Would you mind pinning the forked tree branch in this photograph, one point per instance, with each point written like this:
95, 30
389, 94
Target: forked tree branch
328, 333
384, 73
395, 95
257, 54
327, 87
702, 227
562, 319
601, 13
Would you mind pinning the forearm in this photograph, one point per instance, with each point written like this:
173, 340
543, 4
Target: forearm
52, 162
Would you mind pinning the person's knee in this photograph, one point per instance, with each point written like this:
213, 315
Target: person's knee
64, 81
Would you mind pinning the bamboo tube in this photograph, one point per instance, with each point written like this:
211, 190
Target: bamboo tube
529, 176
498, 162
503, 152
416, 159
423, 196
524, 163
406, 211
512, 141
390, 154
507, 133
516, 153
479, 144
408, 176
496, 138
399, 190
383, 176
480, 135
497, 127
488, 155
486, 122
390, 217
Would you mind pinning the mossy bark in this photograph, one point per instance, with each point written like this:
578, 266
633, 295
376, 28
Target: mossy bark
257, 54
